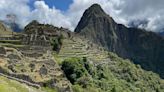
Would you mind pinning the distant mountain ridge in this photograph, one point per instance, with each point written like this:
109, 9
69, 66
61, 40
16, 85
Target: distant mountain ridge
4, 30
142, 47
13, 26
161, 34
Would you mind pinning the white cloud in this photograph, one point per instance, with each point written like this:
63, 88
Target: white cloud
17, 7
41, 12
123, 11
44, 14
127, 11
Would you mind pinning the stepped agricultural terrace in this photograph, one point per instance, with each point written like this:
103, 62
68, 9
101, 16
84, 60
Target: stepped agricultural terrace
78, 47
30, 54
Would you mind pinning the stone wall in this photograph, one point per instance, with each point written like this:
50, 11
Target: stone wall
10, 37
32, 54
19, 77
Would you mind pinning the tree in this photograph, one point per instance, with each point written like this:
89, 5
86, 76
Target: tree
74, 69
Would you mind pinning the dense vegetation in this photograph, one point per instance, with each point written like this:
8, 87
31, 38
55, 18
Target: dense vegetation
74, 69
117, 75
57, 43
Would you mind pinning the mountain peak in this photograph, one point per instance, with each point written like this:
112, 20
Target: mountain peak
34, 22
94, 14
96, 10
96, 6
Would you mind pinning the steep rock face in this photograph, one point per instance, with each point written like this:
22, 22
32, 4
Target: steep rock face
144, 48
99, 28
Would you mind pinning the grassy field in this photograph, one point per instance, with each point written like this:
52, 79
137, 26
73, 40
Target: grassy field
7, 85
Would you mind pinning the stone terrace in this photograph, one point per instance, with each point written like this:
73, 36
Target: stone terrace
76, 47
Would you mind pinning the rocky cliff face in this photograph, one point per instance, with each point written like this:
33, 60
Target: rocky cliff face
142, 47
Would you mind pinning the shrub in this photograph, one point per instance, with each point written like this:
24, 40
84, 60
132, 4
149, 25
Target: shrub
77, 88
74, 69
57, 43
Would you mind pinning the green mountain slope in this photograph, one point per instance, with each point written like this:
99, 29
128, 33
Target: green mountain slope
142, 47
96, 70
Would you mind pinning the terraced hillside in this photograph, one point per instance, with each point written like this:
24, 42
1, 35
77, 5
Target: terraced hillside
96, 70
76, 47
37, 68
28, 59
61, 61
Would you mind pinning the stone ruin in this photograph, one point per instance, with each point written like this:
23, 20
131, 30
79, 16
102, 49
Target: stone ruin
36, 40
10, 37
2, 51
34, 57
32, 54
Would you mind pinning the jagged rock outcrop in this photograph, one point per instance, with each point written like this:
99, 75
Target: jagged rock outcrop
98, 27
142, 47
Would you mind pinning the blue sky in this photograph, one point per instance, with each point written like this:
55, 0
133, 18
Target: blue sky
67, 13
59, 4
